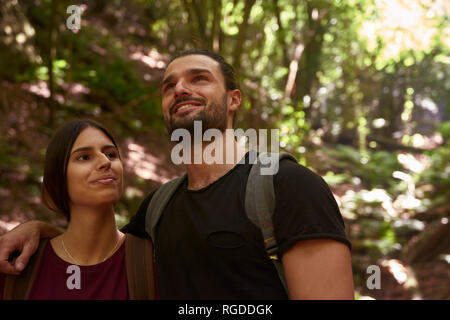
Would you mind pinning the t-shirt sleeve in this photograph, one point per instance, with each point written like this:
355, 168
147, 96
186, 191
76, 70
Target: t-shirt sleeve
305, 208
136, 226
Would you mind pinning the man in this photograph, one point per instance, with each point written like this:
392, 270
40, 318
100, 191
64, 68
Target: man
205, 245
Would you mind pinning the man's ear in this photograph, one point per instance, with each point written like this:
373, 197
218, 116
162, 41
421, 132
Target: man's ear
234, 100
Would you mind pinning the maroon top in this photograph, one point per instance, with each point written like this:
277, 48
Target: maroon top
104, 281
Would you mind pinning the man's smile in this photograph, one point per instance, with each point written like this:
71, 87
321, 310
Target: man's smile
186, 104
186, 108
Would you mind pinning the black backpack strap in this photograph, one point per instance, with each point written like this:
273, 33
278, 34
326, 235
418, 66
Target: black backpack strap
18, 287
260, 203
159, 202
139, 266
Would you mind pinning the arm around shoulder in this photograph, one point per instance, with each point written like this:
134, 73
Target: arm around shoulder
25, 239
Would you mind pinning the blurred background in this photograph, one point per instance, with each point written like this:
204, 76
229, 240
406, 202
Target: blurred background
358, 89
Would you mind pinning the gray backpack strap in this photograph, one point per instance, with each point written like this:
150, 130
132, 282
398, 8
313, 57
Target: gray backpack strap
260, 205
159, 202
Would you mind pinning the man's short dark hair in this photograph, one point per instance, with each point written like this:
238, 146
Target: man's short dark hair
227, 70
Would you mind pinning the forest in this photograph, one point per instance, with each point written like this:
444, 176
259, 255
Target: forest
359, 90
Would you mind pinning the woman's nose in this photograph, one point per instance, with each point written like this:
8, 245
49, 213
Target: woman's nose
104, 162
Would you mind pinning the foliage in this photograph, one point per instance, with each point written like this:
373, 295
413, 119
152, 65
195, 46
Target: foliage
354, 87
438, 173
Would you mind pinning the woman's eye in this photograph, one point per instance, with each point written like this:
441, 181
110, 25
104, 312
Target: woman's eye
83, 157
112, 155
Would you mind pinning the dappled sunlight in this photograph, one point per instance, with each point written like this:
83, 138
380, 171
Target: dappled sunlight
76, 88
397, 269
7, 226
144, 164
351, 199
404, 275
380, 195
407, 202
39, 88
403, 25
153, 59
132, 192
414, 163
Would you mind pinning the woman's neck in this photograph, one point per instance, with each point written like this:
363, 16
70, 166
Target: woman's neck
90, 238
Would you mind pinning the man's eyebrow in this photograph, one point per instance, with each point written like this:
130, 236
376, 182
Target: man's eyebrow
190, 71
108, 146
198, 70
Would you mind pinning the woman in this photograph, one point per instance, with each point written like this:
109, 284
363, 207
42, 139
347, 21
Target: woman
92, 259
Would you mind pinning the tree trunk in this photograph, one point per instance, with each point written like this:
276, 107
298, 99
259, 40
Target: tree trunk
241, 35
216, 30
310, 61
51, 58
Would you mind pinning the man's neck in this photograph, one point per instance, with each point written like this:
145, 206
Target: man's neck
203, 174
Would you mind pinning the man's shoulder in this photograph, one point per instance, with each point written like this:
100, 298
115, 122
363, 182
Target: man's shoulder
293, 170
295, 178
148, 198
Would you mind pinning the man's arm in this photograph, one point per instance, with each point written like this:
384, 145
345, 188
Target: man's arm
319, 269
24, 238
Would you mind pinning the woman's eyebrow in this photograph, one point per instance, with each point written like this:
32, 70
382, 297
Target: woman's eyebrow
108, 146
81, 149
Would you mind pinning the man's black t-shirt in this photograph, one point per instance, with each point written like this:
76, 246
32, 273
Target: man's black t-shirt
207, 248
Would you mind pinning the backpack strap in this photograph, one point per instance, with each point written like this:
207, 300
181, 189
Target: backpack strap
18, 287
159, 202
139, 266
260, 205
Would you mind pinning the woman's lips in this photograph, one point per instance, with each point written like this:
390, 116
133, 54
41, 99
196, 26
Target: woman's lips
105, 181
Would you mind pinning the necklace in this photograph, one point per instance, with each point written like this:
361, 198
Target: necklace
76, 262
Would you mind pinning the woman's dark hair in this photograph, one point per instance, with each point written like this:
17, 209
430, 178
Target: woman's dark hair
54, 193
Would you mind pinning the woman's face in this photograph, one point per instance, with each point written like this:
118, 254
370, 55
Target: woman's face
94, 170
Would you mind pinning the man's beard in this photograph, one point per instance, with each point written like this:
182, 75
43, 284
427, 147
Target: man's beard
212, 116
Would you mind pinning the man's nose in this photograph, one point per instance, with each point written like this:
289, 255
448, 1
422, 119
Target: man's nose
182, 89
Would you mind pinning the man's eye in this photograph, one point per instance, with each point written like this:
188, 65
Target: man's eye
168, 86
200, 78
